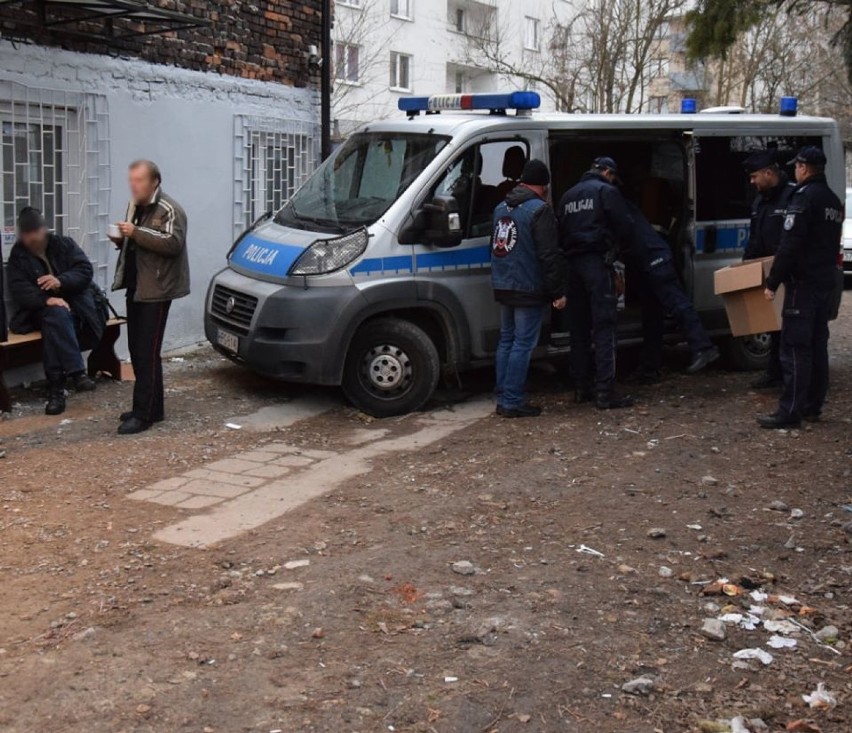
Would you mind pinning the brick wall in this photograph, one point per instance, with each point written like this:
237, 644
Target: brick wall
255, 40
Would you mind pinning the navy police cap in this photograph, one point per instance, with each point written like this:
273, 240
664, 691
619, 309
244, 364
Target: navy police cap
759, 160
605, 163
810, 155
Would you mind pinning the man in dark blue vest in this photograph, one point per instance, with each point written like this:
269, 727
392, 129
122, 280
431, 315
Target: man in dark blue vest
768, 211
595, 229
527, 274
806, 264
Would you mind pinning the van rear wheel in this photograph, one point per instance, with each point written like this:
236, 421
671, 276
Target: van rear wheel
392, 368
749, 353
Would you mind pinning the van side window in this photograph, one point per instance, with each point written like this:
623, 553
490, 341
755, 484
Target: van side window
480, 178
723, 192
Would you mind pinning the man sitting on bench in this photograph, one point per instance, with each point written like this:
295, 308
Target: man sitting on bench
50, 281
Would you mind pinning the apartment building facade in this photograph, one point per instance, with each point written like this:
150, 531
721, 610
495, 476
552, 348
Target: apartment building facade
385, 49
222, 96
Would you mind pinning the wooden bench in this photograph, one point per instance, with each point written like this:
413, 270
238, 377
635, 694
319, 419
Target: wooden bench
24, 349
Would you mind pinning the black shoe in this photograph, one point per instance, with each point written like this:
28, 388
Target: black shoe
83, 382
499, 410
703, 359
132, 426
767, 381
612, 401
584, 395
125, 416
55, 402
522, 411
778, 421
812, 417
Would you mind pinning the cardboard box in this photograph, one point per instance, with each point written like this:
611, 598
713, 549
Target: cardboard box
741, 287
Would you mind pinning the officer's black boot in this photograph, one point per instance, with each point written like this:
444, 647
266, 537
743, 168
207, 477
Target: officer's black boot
55, 398
609, 400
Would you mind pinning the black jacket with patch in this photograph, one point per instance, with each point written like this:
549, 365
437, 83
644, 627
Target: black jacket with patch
810, 241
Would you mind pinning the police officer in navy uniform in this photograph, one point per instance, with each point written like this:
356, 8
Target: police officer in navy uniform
774, 190
806, 264
527, 274
662, 293
595, 227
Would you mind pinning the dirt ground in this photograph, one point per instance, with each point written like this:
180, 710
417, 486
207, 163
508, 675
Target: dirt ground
512, 577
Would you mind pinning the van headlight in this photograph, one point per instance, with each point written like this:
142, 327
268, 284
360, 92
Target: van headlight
328, 255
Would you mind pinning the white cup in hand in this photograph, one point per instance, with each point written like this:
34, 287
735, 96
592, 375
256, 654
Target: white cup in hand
113, 232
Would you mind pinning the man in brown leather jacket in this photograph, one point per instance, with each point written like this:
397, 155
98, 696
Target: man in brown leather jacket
154, 270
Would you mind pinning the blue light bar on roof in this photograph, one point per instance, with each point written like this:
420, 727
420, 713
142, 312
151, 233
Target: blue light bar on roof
525, 100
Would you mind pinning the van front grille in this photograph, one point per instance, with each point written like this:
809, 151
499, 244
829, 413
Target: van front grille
233, 309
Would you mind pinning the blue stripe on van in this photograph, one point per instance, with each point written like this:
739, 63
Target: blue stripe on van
371, 265
455, 258
443, 260
728, 237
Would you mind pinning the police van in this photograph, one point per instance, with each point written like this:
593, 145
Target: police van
375, 274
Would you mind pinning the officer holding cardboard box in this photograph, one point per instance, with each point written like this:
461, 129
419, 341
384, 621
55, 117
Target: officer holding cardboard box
806, 264
774, 190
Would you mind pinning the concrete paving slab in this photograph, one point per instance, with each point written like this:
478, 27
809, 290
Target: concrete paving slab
275, 417
226, 478
199, 502
231, 465
269, 471
213, 488
258, 506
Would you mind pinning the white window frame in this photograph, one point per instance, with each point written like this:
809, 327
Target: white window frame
396, 58
355, 4
342, 70
290, 147
532, 34
81, 190
404, 9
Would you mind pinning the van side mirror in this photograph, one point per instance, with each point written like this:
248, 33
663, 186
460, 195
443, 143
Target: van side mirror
437, 223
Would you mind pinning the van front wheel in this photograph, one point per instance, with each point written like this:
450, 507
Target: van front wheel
749, 353
392, 368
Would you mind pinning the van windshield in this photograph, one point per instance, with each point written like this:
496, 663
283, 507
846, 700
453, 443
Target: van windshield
360, 180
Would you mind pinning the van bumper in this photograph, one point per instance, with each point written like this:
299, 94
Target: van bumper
286, 332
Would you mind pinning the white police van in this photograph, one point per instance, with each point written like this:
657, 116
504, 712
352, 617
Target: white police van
375, 274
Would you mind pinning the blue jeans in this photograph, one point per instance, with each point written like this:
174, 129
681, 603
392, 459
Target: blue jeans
520, 327
60, 343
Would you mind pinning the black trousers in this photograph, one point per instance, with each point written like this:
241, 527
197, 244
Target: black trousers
146, 324
804, 350
60, 335
593, 316
662, 293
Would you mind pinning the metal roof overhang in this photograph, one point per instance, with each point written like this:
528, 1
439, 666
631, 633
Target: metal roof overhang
59, 17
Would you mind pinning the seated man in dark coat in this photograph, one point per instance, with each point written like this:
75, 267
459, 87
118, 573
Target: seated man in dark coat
50, 281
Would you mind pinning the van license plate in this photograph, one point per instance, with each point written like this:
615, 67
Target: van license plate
847, 255
228, 341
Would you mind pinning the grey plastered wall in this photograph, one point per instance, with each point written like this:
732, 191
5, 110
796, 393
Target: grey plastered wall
185, 121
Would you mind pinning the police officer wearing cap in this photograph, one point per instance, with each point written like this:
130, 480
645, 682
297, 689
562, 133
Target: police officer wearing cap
527, 274
806, 264
774, 190
595, 227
